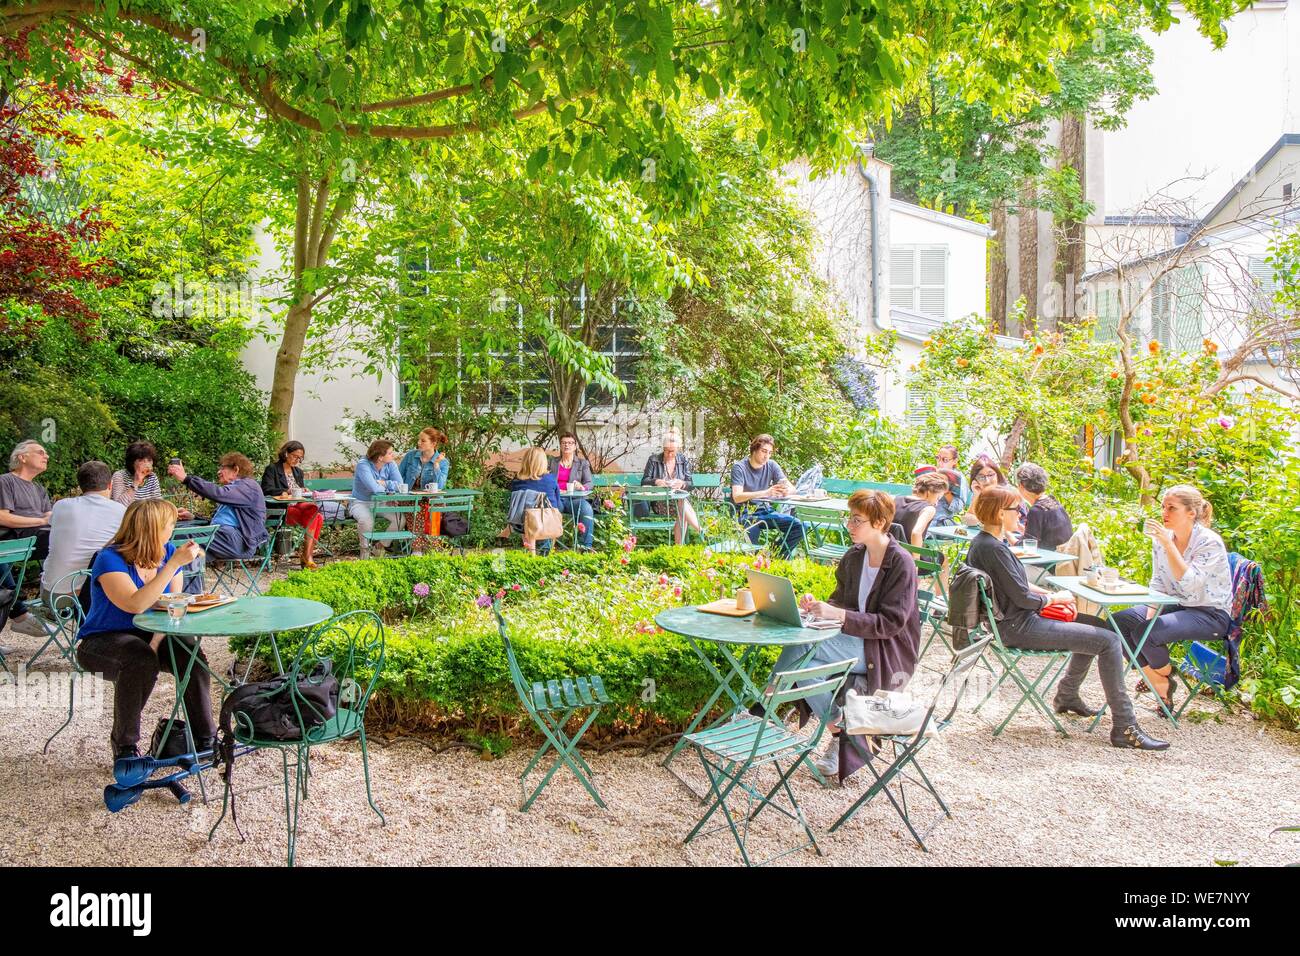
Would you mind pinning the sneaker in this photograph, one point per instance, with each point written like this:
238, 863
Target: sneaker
29, 624
828, 764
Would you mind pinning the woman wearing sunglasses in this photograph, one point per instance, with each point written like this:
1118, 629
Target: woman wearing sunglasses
986, 474
1022, 625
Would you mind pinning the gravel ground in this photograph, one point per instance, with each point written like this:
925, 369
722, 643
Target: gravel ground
1026, 797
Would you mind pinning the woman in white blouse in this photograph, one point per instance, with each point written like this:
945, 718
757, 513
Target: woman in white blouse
1189, 562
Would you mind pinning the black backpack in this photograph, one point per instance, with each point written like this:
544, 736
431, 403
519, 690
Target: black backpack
268, 706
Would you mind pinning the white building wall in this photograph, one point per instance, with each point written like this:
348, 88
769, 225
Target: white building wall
1215, 113
323, 399
967, 255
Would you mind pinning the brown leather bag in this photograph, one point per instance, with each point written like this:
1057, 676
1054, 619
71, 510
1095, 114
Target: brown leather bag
543, 523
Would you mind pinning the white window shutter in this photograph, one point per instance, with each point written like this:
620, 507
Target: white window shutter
902, 277
933, 281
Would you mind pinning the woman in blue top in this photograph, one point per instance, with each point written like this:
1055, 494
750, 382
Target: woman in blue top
535, 475
376, 474
424, 468
127, 578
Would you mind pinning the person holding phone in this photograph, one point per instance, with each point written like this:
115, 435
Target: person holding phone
758, 476
127, 578
1086, 637
1190, 562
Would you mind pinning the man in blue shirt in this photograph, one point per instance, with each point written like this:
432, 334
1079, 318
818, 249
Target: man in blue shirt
758, 477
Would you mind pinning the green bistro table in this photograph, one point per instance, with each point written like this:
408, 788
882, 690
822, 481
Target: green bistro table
1040, 558
750, 633
581, 493
828, 503
257, 616
952, 533
1110, 603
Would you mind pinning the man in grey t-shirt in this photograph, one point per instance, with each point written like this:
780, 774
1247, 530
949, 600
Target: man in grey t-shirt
759, 477
25, 509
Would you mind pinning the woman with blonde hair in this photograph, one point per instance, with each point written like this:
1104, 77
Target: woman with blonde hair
672, 470
127, 578
535, 475
1189, 562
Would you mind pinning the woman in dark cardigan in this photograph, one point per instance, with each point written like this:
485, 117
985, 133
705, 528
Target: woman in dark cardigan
283, 479
671, 469
875, 599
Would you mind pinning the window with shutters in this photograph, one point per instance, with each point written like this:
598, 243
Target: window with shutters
1107, 308
1162, 310
918, 279
1188, 298
1261, 274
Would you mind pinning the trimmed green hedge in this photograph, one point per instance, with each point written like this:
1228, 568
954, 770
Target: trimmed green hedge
446, 665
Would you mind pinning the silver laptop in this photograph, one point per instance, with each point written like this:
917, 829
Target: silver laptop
774, 597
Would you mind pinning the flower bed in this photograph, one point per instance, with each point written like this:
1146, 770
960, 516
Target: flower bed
568, 614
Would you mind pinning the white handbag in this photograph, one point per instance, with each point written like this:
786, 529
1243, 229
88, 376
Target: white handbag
883, 713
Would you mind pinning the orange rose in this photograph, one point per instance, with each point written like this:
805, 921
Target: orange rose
1038, 350
1114, 375
962, 363
1153, 347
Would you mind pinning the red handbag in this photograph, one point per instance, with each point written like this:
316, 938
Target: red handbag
1060, 612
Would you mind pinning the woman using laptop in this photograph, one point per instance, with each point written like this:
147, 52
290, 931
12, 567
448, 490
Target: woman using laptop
875, 603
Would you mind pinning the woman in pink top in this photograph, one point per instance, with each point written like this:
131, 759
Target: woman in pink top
574, 473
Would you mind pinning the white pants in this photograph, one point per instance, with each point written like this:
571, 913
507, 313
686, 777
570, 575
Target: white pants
365, 519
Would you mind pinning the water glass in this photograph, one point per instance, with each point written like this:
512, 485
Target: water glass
1029, 545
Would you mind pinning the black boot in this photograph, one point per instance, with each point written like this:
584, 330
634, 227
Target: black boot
121, 752
1073, 705
1133, 738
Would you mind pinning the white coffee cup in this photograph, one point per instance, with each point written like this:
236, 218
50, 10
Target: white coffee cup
1092, 577
744, 599
574, 486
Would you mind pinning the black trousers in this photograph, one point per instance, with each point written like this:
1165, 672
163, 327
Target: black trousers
126, 659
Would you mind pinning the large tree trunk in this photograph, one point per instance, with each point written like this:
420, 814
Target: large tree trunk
1027, 217
1071, 248
998, 268
315, 224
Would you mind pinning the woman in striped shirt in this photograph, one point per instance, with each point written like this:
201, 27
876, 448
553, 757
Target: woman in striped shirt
137, 481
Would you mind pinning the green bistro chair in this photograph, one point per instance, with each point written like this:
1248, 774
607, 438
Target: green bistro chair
1010, 659
334, 511
707, 486
615, 479
396, 508
905, 748
846, 486
64, 612
551, 705
825, 539
353, 646
236, 574
14, 555
731, 750
201, 535
931, 596
727, 533
454, 501
650, 521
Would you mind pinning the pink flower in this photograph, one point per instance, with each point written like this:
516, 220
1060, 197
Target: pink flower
663, 579
541, 582
501, 593
564, 572
1225, 421
516, 587
609, 505
483, 601
421, 590
677, 592
582, 527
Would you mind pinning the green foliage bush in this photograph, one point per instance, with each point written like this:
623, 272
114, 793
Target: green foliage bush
567, 613
73, 423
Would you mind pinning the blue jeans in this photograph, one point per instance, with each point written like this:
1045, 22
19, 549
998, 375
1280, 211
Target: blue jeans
1175, 623
841, 647
579, 509
790, 528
